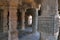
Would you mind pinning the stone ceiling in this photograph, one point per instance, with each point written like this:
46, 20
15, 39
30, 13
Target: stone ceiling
25, 3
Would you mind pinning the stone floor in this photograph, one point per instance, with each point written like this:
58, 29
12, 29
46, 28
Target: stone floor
24, 35
28, 35
3, 36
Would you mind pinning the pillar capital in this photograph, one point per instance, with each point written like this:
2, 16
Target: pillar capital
47, 8
23, 10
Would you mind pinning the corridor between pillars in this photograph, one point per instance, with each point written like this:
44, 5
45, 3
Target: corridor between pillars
13, 32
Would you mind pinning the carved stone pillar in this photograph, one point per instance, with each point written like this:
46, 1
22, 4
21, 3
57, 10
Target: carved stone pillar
48, 21
34, 20
23, 20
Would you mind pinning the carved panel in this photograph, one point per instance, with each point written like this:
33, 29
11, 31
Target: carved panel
46, 24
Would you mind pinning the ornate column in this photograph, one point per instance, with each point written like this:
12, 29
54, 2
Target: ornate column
48, 21
47, 8
13, 32
5, 26
34, 20
13, 23
23, 20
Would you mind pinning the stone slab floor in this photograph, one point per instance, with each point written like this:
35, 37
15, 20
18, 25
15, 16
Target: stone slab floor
28, 35
3, 36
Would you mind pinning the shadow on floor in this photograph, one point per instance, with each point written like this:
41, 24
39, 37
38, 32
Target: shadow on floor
28, 35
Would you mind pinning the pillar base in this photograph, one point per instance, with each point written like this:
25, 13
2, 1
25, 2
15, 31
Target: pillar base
45, 36
14, 35
23, 29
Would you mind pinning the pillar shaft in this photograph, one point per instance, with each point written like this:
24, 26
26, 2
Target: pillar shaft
47, 23
34, 20
5, 26
49, 9
23, 20
13, 24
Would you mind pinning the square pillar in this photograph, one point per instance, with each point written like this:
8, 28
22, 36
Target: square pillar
5, 20
48, 21
13, 32
34, 20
